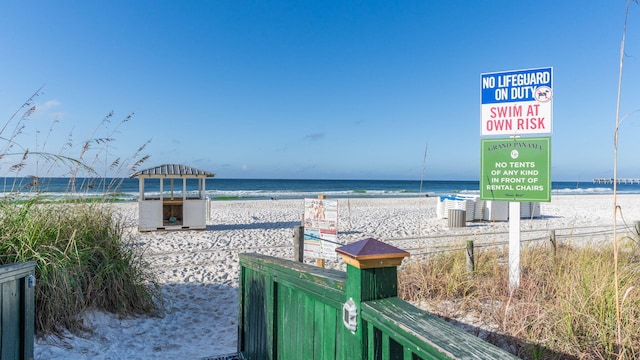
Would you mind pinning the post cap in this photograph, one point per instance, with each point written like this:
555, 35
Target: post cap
371, 253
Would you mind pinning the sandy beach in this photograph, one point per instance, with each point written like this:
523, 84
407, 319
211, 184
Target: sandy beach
198, 270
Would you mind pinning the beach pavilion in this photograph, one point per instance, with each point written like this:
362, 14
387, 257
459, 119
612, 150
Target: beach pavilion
181, 201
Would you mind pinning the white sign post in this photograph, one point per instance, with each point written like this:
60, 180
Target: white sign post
515, 103
514, 245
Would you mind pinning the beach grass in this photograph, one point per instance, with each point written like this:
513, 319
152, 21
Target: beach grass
82, 261
563, 308
80, 244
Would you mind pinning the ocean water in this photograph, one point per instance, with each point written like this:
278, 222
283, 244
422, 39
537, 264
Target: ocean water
127, 189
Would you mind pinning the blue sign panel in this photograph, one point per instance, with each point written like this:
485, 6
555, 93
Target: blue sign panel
518, 85
516, 102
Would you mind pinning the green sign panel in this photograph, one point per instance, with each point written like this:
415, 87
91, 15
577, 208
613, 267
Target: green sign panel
516, 169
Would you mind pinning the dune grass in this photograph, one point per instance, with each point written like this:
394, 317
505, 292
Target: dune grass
80, 244
82, 261
564, 307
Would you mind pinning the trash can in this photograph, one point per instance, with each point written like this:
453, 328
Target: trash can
457, 218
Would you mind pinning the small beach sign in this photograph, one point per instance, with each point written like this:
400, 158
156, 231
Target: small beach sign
321, 228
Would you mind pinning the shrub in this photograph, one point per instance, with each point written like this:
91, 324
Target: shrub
81, 248
82, 261
564, 306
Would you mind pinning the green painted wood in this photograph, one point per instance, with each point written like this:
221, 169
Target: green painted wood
270, 310
310, 330
364, 285
329, 338
10, 320
248, 322
241, 311
16, 311
292, 316
425, 334
340, 333
257, 315
251, 312
302, 299
407, 354
385, 353
324, 337
290, 329
16, 271
371, 284
319, 335
396, 350
28, 317
284, 339
293, 311
303, 329
370, 340
299, 327
324, 284
342, 350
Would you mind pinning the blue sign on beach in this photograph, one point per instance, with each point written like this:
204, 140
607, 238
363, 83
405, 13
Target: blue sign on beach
517, 102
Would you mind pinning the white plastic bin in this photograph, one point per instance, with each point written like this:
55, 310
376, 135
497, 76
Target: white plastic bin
496, 211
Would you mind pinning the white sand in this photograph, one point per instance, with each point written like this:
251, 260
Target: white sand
198, 270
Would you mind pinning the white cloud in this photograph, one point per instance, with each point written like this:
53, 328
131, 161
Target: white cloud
46, 110
50, 104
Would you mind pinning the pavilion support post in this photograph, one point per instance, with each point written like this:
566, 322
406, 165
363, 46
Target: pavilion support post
141, 189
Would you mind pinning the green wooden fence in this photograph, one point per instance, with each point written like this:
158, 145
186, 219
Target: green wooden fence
17, 293
292, 310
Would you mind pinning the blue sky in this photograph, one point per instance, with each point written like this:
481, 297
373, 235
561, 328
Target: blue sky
316, 89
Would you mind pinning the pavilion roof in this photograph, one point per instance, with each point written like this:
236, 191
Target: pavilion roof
172, 170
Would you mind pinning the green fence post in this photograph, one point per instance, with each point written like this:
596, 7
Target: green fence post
372, 274
17, 298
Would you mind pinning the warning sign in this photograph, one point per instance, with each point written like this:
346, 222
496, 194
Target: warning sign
516, 102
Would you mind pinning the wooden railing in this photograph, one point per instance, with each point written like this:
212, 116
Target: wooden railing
292, 310
398, 330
